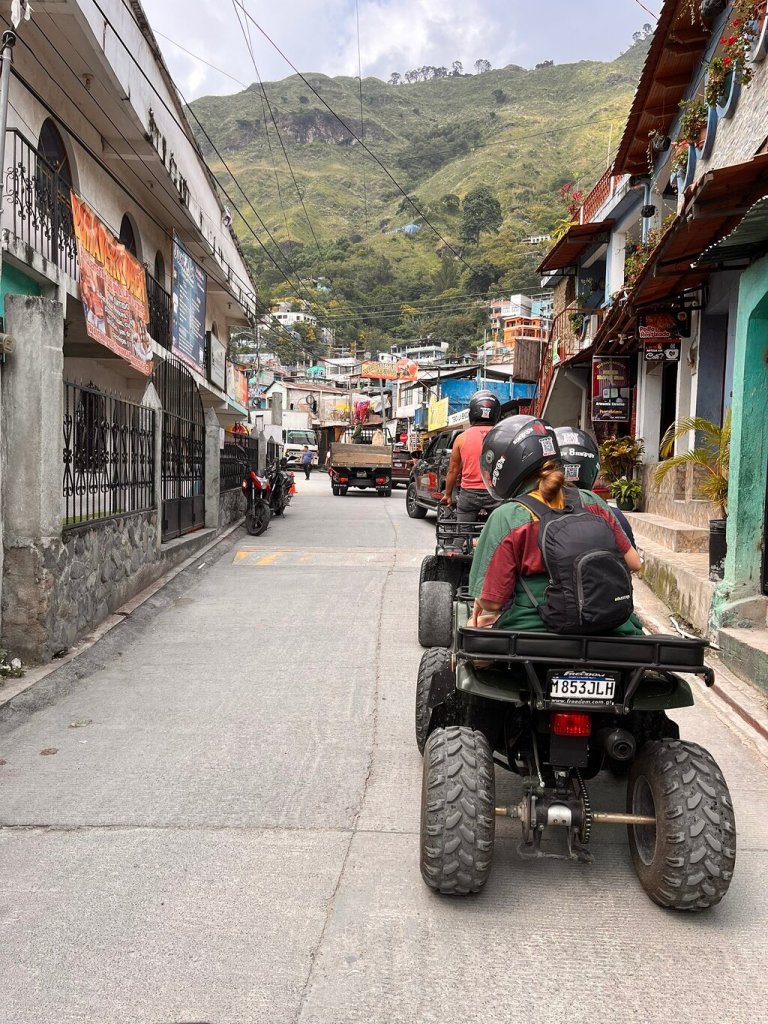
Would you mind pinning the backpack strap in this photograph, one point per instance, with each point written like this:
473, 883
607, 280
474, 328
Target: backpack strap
573, 497
537, 508
528, 592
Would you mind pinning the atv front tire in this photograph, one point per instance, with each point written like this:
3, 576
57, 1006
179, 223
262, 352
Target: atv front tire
435, 614
457, 811
685, 861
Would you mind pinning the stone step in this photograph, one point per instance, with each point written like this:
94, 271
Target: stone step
681, 580
745, 652
669, 533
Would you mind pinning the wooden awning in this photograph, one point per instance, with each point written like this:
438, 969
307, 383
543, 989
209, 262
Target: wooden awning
715, 205
569, 249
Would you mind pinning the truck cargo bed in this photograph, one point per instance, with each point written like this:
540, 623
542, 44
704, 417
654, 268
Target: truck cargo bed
352, 455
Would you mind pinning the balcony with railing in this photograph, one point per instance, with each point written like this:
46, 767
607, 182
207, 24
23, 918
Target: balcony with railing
608, 187
572, 331
38, 210
159, 302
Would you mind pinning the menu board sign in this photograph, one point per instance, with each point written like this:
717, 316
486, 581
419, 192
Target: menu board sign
610, 389
188, 321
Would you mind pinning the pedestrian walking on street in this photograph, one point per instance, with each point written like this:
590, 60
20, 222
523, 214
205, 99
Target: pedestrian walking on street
306, 461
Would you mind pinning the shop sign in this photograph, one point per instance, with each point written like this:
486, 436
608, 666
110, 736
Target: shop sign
402, 369
218, 363
662, 352
610, 389
457, 418
437, 414
113, 287
188, 321
237, 385
660, 326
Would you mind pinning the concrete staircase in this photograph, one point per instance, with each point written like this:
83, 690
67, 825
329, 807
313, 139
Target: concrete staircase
676, 565
676, 568
744, 646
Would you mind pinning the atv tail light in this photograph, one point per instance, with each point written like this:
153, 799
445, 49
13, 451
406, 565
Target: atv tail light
567, 723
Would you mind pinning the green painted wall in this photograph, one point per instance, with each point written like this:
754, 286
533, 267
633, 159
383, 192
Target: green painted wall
15, 282
749, 445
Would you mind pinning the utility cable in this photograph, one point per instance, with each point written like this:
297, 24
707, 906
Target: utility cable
241, 5
364, 145
247, 29
362, 120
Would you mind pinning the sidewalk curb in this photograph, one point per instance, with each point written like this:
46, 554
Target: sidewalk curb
735, 702
16, 692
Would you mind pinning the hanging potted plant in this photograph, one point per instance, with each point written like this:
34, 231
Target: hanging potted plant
693, 122
713, 455
731, 68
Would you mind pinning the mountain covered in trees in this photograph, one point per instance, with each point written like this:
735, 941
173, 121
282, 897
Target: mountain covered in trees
406, 195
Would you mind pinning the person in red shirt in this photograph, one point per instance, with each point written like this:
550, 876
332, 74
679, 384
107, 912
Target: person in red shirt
522, 457
484, 412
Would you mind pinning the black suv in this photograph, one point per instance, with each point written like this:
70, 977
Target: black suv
427, 480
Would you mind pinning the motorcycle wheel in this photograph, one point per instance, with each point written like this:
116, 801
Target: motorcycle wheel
257, 520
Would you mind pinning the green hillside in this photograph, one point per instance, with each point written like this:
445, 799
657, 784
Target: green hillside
522, 133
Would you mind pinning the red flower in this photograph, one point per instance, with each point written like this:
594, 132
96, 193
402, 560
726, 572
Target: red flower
726, 61
737, 21
732, 40
723, 40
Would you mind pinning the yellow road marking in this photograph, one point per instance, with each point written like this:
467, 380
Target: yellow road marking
270, 558
240, 555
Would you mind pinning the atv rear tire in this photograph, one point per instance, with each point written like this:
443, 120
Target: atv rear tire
414, 510
457, 811
430, 570
685, 861
436, 659
435, 614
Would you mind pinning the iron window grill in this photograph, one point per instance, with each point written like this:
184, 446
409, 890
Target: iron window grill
109, 464
236, 460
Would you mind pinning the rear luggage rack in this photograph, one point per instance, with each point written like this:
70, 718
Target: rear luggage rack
457, 537
628, 655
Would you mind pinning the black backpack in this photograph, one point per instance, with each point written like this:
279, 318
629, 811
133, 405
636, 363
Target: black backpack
590, 586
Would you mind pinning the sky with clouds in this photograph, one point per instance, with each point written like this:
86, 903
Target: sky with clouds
395, 35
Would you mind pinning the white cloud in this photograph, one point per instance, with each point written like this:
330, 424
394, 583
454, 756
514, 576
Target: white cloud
395, 35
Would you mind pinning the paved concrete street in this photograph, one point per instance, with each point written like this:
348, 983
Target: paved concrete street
216, 820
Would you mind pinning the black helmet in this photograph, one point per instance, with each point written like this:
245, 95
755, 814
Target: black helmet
580, 455
484, 407
513, 451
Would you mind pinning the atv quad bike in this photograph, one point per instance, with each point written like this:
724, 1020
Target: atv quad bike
444, 573
556, 710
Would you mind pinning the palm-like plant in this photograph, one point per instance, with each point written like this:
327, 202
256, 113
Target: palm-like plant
712, 454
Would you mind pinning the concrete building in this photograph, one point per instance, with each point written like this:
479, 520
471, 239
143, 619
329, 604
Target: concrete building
121, 278
663, 275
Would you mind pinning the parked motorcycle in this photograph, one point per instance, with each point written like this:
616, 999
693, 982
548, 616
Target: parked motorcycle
282, 487
257, 490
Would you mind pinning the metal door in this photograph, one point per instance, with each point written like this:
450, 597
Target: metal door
183, 462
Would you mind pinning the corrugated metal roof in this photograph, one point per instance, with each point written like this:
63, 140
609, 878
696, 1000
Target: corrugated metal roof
747, 241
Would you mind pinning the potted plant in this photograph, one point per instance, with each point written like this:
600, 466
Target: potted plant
693, 122
712, 453
619, 456
626, 493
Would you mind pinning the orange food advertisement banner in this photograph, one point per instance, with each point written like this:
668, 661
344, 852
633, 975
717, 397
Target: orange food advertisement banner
113, 288
402, 369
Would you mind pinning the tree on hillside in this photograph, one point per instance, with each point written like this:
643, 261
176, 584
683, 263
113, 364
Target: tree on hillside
545, 64
446, 276
457, 68
482, 212
482, 276
481, 66
394, 78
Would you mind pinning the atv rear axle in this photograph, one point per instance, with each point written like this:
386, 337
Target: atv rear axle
598, 817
